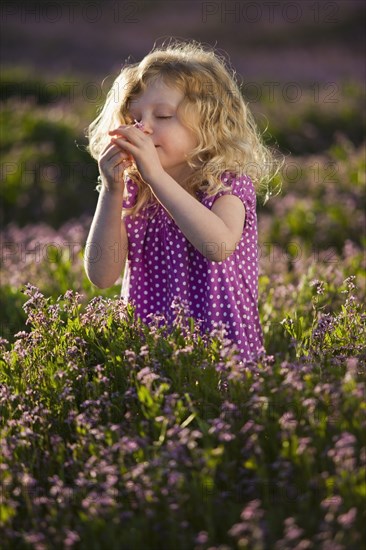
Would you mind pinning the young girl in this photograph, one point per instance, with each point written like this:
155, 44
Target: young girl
177, 209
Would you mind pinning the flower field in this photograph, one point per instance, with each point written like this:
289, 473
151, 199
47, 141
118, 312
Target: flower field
115, 435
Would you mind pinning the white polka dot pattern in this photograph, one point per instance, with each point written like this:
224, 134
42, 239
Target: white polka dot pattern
163, 265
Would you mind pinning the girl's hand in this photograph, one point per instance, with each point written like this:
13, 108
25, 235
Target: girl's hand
139, 146
112, 163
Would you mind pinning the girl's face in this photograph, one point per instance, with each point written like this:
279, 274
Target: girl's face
157, 108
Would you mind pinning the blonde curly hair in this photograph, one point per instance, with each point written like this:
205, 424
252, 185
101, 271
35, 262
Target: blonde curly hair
213, 108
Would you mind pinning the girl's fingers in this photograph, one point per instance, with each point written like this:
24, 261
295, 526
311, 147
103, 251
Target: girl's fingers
132, 133
110, 148
125, 163
120, 129
123, 144
111, 151
112, 144
118, 141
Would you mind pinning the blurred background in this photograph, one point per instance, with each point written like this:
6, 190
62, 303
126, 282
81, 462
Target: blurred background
302, 69
301, 65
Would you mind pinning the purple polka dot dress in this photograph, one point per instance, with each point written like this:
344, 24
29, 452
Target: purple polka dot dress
164, 266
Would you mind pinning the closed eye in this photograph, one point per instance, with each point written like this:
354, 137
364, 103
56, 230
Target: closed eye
164, 117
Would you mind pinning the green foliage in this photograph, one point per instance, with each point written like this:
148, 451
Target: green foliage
330, 213
157, 435
46, 172
52, 258
306, 119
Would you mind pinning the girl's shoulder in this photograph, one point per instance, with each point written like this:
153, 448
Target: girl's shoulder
232, 183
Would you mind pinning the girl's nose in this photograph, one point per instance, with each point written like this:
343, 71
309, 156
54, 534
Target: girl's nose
145, 125
147, 129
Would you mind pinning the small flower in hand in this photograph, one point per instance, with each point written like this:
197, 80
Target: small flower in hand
138, 124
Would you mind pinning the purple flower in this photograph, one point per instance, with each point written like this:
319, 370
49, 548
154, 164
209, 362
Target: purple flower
27, 480
319, 286
288, 422
37, 540
250, 531
332, 503
147, 377
201, 538
221, 429
292, 531
347, 519
252, 511
343, 453
71, 537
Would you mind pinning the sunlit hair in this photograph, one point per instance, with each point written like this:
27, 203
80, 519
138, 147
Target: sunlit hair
213, 107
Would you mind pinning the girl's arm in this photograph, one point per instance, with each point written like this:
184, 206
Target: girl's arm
216, 232
107, 245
